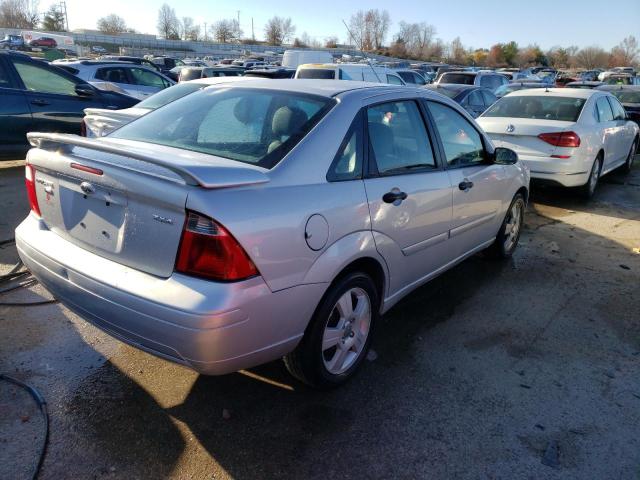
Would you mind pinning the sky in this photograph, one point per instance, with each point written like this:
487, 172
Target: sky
477, 23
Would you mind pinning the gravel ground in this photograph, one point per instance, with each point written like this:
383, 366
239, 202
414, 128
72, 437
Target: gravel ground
523, 369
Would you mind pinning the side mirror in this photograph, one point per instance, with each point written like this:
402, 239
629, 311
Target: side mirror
85, 90
504, 156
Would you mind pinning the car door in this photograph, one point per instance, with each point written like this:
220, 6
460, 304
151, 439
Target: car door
146, 81
51, 94
409, 192
15, 115
478, 183
609, 130
624, 130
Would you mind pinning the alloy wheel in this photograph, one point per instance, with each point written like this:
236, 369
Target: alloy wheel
346, 331
513, 225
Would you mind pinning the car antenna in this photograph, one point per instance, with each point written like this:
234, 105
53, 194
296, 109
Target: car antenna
362, 51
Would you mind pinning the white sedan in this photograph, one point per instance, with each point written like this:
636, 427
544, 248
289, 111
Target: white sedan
569, 137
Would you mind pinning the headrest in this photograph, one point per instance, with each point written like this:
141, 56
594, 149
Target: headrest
287, 120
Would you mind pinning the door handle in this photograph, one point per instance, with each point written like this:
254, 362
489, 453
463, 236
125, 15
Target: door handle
465, 185
392, 197
39, 102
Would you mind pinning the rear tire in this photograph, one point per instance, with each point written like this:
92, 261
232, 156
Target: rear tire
628, 165
589, 189
339, 335
507, 239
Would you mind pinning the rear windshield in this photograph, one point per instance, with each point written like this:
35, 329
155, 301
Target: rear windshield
626, 96
170, 94
451, 77
447, 91
317, 73
543, 108
187, 74
248, 125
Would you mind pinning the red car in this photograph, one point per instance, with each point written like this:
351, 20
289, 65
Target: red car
43, 42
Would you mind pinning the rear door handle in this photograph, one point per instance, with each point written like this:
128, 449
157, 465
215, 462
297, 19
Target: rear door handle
465, 185
394, 196
39, 102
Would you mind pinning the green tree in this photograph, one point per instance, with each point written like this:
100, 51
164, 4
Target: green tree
53, 20
510, 52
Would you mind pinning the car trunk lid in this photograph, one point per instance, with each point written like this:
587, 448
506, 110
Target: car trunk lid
124, 200
521, 134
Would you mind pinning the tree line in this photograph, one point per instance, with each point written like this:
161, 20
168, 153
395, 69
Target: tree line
368, 30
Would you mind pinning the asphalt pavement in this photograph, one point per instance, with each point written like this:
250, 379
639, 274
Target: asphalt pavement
521, 369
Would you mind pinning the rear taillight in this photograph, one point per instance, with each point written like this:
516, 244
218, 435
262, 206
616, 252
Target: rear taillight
30, 182
208, 250
561, 139
83, 128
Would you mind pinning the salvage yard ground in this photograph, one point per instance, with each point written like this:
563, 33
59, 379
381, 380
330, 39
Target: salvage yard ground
478, 374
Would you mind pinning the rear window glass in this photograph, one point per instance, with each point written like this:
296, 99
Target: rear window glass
626, 96
447, 91
169, 95
248, 125
457, 78
187, 74
542, 108
317, 73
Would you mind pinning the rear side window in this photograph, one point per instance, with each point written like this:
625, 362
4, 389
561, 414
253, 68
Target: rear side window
618, 111
256, 126
146, 78
40, 79
317, 73
398, 138
5, 80
605, 114
461, 141
112, 74
537, 107
347, 164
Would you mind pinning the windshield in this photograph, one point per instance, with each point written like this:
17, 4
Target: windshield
317, 73
543, 108
187, 74
626, 96
168, 95
256, 126
457, 78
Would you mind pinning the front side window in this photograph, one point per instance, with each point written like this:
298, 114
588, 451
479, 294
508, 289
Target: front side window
41, 79
462, 143
489, 98
537, 107
252, 126
146, 78
398, 138
605, 114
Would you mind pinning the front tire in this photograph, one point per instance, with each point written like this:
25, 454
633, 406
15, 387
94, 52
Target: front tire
509, 233
339, 335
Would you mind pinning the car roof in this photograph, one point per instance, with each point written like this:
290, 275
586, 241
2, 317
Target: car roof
564, 92
458, 87
324, 88
608, 88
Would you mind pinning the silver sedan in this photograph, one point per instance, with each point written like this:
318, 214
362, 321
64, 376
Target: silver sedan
247, 222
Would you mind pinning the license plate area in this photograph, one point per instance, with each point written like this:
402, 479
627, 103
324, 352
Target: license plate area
92, 214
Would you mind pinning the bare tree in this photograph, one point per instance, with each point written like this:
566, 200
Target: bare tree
418, 39
112, 24
278, 30
625, 53
226, 31
457, 52
189, 30
19, 13
168, 24
358, 32
331, 42
378, 23
591, 57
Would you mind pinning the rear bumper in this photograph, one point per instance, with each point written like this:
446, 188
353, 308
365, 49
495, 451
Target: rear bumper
571, 172
213, 328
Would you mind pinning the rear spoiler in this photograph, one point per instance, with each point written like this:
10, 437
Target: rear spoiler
192, 173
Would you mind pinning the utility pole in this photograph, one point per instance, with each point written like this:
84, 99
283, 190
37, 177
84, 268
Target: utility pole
253, 35
205, 31
63, 8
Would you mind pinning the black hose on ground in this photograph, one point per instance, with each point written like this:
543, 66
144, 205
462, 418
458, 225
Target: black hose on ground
15, 274
42, 404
